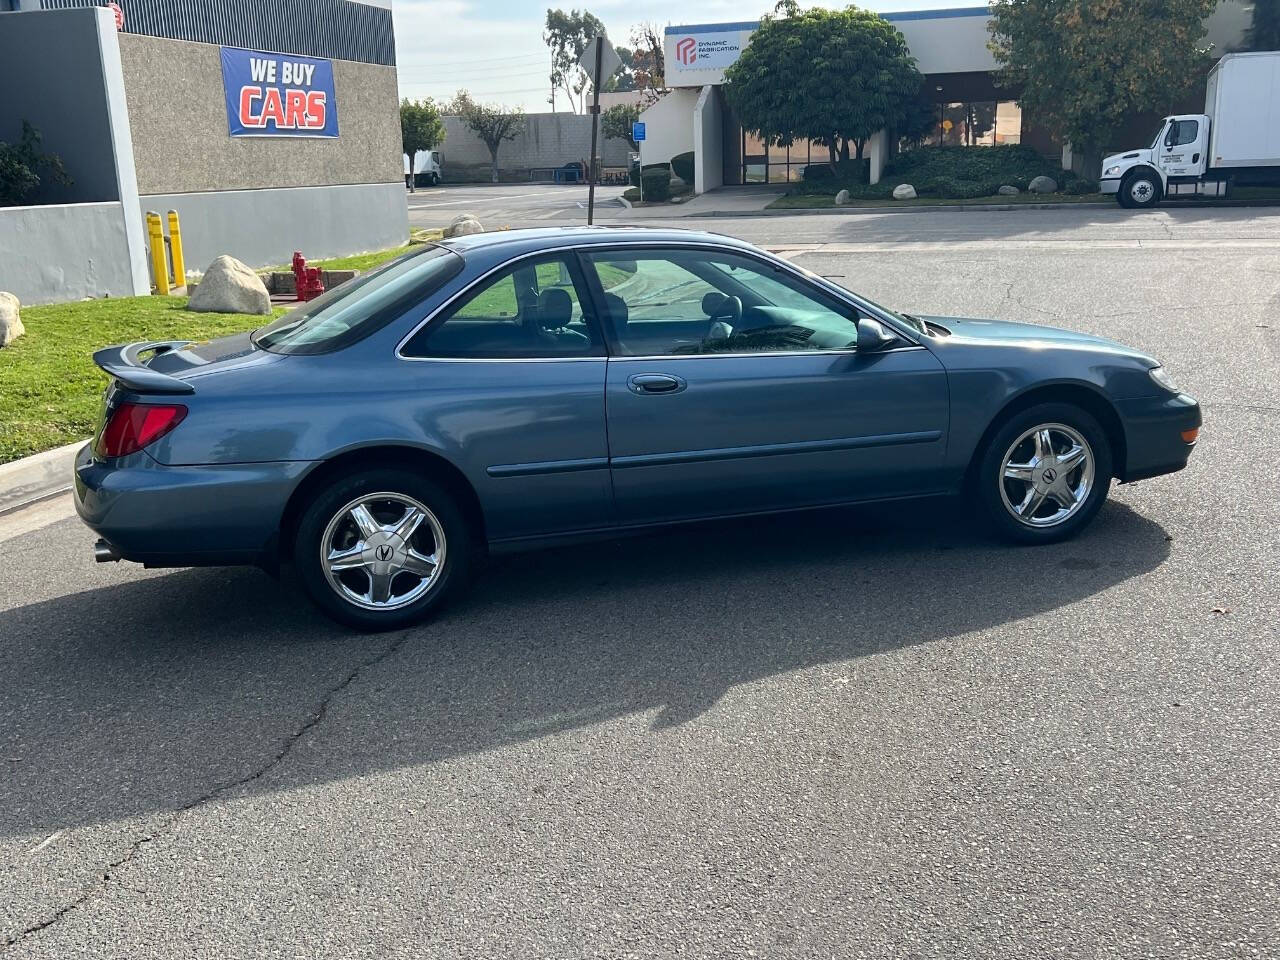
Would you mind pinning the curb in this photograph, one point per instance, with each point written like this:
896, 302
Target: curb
919, 208
34, 478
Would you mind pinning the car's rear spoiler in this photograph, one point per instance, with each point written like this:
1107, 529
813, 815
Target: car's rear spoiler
123, 363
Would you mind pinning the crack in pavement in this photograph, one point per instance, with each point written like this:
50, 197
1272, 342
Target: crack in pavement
316, 717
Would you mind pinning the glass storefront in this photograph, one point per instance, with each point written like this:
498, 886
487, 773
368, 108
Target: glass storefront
984, 123
762, 164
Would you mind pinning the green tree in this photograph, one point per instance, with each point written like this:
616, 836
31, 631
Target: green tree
615, 123
567, 34
494, 125
24, 166
833, 76
1264, 29
1086, 66
420, 128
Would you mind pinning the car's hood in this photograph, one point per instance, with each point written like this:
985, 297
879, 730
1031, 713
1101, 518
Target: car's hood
994, 333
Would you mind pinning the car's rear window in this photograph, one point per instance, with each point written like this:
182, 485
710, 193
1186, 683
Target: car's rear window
357, 308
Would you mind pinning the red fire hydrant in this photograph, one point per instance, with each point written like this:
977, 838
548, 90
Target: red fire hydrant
307, 280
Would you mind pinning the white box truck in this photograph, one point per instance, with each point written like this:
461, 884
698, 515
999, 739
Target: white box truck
1235, 142
426, 165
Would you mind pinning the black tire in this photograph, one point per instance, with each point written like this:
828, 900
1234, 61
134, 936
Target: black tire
1131, 185
435, 179
327, 508
989, 476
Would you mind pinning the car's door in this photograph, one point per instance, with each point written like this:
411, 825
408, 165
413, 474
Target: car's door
734, 385
516, 373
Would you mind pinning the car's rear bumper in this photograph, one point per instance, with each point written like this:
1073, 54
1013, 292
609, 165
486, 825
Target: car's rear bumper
184, 516
1154, 429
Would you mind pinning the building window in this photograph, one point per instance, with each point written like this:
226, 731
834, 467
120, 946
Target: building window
980, 123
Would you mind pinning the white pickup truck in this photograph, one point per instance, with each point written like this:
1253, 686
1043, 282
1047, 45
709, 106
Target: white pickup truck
1235, 142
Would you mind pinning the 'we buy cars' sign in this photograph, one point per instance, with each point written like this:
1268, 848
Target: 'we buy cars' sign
278, 94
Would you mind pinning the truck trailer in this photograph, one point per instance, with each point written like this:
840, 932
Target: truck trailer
1235, 142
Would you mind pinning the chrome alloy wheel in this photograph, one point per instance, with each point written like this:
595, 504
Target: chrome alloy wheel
1046, 475
383, 551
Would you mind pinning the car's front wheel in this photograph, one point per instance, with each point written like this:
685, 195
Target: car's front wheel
381, 549
1045, 473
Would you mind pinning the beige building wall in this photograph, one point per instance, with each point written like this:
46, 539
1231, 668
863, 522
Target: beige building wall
181, 144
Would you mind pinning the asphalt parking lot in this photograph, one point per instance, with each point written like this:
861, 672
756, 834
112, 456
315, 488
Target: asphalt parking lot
860, 733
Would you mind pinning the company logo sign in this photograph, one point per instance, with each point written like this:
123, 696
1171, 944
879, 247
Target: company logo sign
278, 95
687, 50
703, 54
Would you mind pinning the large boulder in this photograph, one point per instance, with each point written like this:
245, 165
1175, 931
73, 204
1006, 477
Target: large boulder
1043, 185
1008, 191
904, 191
10, 322
842, 198
228, 286
463, 226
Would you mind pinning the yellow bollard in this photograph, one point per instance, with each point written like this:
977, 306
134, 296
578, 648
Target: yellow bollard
175, 251
159, 262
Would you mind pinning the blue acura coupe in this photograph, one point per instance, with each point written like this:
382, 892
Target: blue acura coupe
514, 389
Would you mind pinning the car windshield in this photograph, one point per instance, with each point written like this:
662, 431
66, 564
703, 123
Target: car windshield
357, 308
1155, 137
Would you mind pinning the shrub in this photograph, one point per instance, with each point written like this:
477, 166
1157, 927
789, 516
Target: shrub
1080, 186
657, 183
682, 166
24, 166
818, 171
1006, 163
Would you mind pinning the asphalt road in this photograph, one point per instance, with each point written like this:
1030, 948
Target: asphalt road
855, 733
517, 204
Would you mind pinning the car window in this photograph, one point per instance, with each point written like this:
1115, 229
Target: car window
355, 309
683, 302
527, 311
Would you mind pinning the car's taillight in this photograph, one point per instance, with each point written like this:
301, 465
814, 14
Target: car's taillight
131, 426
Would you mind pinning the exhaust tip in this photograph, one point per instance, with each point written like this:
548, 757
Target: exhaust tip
104, 552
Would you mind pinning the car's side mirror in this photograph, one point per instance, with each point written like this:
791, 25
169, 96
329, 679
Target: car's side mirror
873, 336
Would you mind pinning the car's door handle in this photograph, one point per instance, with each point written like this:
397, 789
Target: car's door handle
655, 383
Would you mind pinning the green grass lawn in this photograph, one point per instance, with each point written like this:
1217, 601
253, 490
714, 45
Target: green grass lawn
366, 261
49, 386
811, 201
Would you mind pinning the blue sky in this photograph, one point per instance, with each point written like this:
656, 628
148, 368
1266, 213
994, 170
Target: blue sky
494, 48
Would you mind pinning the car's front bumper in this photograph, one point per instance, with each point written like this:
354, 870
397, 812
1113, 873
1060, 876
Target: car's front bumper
184, 516
1155, 430
1109, 184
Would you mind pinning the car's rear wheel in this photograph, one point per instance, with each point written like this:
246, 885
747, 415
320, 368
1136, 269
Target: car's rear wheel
381, 549
1045, 473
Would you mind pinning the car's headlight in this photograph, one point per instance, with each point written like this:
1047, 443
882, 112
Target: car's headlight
1112, 171
1161, 376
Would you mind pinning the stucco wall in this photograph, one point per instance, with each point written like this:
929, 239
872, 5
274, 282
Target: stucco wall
63, 252
668, 125
178, 117
264, 227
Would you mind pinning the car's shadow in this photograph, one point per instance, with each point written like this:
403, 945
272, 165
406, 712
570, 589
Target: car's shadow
149, 695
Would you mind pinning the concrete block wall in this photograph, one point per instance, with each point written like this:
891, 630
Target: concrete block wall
549, 140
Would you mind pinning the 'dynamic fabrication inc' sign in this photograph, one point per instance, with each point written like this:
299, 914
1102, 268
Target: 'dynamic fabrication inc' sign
278, 94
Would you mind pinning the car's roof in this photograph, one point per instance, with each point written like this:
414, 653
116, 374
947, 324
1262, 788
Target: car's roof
532, 238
